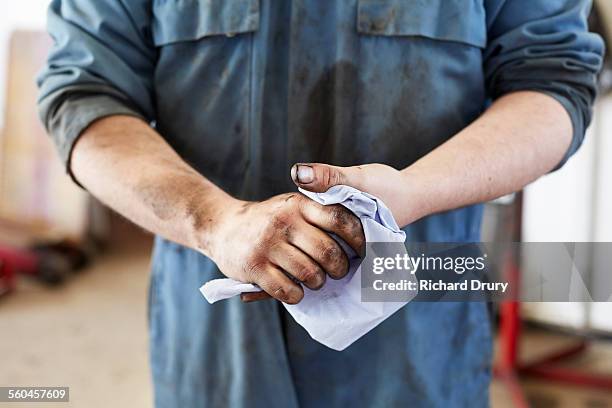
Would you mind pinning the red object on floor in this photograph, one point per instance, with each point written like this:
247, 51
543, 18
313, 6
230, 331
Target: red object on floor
508, 368
7, 278
547, 369
14, 260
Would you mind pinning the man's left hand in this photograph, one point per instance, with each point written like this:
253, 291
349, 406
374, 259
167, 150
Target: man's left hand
380, 180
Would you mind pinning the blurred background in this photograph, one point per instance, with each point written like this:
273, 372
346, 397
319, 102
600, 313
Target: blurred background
74, 276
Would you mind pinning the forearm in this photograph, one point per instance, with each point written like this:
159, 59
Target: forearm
521, 137
127, 165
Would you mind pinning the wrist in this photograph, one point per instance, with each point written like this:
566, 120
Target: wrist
207, 224
419, 199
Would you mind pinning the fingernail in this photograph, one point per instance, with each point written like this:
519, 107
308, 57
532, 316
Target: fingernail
305, 174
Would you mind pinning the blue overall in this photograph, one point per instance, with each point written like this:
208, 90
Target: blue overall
242, 89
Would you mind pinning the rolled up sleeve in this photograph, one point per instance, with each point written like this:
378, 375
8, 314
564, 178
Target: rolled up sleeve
545, 46
101, 64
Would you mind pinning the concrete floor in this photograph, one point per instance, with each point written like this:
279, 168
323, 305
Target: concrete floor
91, 335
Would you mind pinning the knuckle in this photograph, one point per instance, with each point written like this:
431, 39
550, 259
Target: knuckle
310, 274
302, 204
340, 217
279, 293
335, 177
347, 224
289, 197
326, 176
330, 253
253, 270
330, 176
279, 221
280, 224
335, 261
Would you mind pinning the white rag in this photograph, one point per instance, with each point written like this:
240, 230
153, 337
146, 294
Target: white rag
335, 315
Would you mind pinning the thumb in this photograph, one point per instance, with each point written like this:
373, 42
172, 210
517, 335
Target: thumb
318, 177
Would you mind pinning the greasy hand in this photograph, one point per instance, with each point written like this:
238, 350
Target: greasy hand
276, 242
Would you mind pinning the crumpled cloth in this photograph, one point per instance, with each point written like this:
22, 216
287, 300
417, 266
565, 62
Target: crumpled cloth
335, 315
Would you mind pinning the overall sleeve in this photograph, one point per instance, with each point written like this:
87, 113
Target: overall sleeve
101, 64
545, 46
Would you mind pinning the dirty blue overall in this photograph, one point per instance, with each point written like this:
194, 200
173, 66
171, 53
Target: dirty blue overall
242, 89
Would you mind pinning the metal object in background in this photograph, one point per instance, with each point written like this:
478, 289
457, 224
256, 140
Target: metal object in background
7, 277
508, 368
50, 264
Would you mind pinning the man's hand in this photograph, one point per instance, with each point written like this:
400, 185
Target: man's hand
284, 240
125, 163
377, 179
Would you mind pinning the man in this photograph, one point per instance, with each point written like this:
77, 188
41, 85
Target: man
187, 116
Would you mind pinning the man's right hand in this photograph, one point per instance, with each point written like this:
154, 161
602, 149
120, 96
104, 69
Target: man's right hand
284, 240
125, 163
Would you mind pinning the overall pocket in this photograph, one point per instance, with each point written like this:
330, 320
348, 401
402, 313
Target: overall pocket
204, 80
190, 20
421, 61
461, 21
